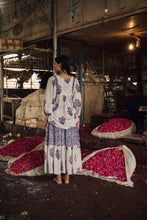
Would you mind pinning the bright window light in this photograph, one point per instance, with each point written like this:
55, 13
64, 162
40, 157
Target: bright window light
15, 69
9, 56
107, 78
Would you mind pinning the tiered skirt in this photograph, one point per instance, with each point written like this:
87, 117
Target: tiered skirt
62, 150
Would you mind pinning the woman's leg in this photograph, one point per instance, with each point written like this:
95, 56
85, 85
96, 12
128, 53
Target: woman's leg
66, 178
58, 179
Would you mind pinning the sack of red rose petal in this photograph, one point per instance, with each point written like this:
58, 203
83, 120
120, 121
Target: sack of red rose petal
115, 164
114, 128
28, 164
18, 147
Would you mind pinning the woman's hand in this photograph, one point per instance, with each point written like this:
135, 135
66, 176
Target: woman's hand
79, 124
46, 118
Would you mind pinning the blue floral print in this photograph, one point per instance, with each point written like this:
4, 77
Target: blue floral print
53, 101
77, 103
58, 89
62, 120
64, 98
67, 80
55, 107
70, 160
52, 152
58, 154
69, 111
54, 82
78, 88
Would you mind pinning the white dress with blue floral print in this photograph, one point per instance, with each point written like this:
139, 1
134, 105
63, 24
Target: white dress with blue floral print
62, 142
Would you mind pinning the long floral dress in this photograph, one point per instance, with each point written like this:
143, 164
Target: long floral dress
62, 142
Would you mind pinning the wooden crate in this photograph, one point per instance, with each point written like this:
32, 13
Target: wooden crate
32, 123
14, 102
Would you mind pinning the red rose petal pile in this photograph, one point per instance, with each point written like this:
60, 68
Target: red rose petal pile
21, 146
28, 162
108, 163
115, 125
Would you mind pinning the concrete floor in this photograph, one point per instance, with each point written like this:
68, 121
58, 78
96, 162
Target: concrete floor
39, 198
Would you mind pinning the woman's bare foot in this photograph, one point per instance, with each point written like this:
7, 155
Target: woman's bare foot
66, 179
58, 179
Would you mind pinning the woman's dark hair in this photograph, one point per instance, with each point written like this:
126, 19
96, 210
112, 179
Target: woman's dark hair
65, 63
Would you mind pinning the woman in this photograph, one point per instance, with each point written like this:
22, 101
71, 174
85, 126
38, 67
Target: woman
62, 109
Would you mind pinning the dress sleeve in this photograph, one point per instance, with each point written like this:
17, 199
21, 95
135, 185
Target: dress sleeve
48, 97
77, 98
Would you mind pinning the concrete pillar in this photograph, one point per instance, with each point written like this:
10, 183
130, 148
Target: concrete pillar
59, 50
1, 84
80, 66
54, 32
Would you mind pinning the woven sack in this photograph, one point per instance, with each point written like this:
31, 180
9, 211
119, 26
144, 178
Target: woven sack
21, 145
35, 157
130, 165
114, 135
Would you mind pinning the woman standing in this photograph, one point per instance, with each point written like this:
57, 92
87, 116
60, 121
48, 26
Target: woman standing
62, 109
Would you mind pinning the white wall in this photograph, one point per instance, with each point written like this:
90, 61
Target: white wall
92, 99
